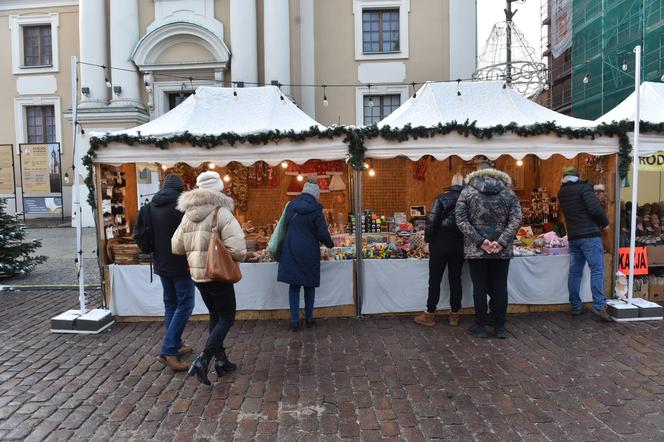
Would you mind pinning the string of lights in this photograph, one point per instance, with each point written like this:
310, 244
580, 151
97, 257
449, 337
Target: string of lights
240, 84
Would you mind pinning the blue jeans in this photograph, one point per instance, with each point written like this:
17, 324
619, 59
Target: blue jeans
178, 305
590, 250
294, 301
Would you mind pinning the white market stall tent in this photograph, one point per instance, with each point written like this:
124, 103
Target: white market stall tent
533, 280
488, 104
651, 103
214, 112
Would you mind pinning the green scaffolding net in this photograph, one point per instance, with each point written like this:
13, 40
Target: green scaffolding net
604, 34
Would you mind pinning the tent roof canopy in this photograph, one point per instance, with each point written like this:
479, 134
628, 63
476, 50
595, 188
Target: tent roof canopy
487, 103
652, 106
652, 111
216, 110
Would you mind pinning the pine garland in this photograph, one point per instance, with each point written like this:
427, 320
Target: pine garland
355, 138
15, 254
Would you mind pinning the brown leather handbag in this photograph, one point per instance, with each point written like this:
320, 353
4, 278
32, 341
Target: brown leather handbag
220, 266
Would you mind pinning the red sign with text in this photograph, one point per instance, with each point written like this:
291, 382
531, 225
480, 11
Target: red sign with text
640, 261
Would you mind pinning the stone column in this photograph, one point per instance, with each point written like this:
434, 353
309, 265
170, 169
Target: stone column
244, 41
277, 42
93, 38
124, 36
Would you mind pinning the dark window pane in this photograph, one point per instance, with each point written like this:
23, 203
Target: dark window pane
41, 124
37, 45
383, 25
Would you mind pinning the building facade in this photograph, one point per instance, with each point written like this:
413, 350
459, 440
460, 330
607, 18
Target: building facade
140, 58
597, 72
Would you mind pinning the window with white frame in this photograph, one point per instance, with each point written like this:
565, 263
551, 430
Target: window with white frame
34, 43
40, 124
377, 107
381, 29
37, 47
372, 104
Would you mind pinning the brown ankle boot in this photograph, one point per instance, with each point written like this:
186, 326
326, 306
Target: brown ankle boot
455, 317
173, 362
426, 318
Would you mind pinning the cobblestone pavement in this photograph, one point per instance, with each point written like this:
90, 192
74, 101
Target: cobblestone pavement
59, 244
554, 378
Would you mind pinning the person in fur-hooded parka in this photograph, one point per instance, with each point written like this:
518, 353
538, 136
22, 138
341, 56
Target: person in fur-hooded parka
195, 231
489, 209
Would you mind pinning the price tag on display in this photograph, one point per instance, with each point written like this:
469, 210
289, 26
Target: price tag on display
640, 260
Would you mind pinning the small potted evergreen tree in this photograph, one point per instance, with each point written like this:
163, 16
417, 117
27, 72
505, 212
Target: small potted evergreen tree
15, 254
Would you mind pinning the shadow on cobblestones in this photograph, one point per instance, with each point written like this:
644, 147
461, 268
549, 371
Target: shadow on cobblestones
554, 378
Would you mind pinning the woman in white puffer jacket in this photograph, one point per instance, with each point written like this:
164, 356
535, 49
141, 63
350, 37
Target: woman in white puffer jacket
193, 238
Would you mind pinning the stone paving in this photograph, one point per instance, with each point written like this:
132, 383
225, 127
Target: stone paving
59, 245
555, 378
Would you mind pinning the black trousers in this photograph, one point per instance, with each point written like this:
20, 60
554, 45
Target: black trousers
490, 278
445, 251
220, 301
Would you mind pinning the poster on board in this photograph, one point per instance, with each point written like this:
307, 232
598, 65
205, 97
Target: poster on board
40, 168
7, 170
42, 205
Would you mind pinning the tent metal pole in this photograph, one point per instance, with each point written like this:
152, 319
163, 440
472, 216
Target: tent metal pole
359, 270
635, 173
77, 186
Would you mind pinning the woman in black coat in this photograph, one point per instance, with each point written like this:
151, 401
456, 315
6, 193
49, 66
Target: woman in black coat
299, 260
445, 250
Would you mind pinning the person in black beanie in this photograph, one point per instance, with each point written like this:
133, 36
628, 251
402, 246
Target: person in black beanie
445, 251
173, 271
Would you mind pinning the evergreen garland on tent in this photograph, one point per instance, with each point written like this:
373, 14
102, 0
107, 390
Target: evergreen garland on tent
355, 138
15, 255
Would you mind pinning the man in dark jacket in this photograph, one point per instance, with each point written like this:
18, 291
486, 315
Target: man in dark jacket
488, 213
585, 219
173, 271
299, 261
445, 250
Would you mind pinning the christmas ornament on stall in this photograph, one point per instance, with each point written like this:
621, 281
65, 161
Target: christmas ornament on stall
239, 185
16, 254
295, 187
421, 167
337, 184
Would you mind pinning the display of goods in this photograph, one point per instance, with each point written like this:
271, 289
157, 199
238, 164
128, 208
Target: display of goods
123, 251
524, 251
258, 256
555, 251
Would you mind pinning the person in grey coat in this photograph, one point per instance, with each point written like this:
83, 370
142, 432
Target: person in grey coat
489, 215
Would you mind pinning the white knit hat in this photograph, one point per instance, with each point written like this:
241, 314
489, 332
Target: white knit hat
210, 180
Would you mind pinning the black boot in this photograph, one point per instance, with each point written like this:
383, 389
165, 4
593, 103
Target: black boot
199, 368
222, 364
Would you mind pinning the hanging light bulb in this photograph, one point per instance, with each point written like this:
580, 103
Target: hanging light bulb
66, 177
459, 87
300, 177
227, 178
164, 167
586, 79
365, 165
519, 163
211, 166
372, 172
371, 103
325, 102
662, 78
624, 65
108, 83
284, 164
148, 88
